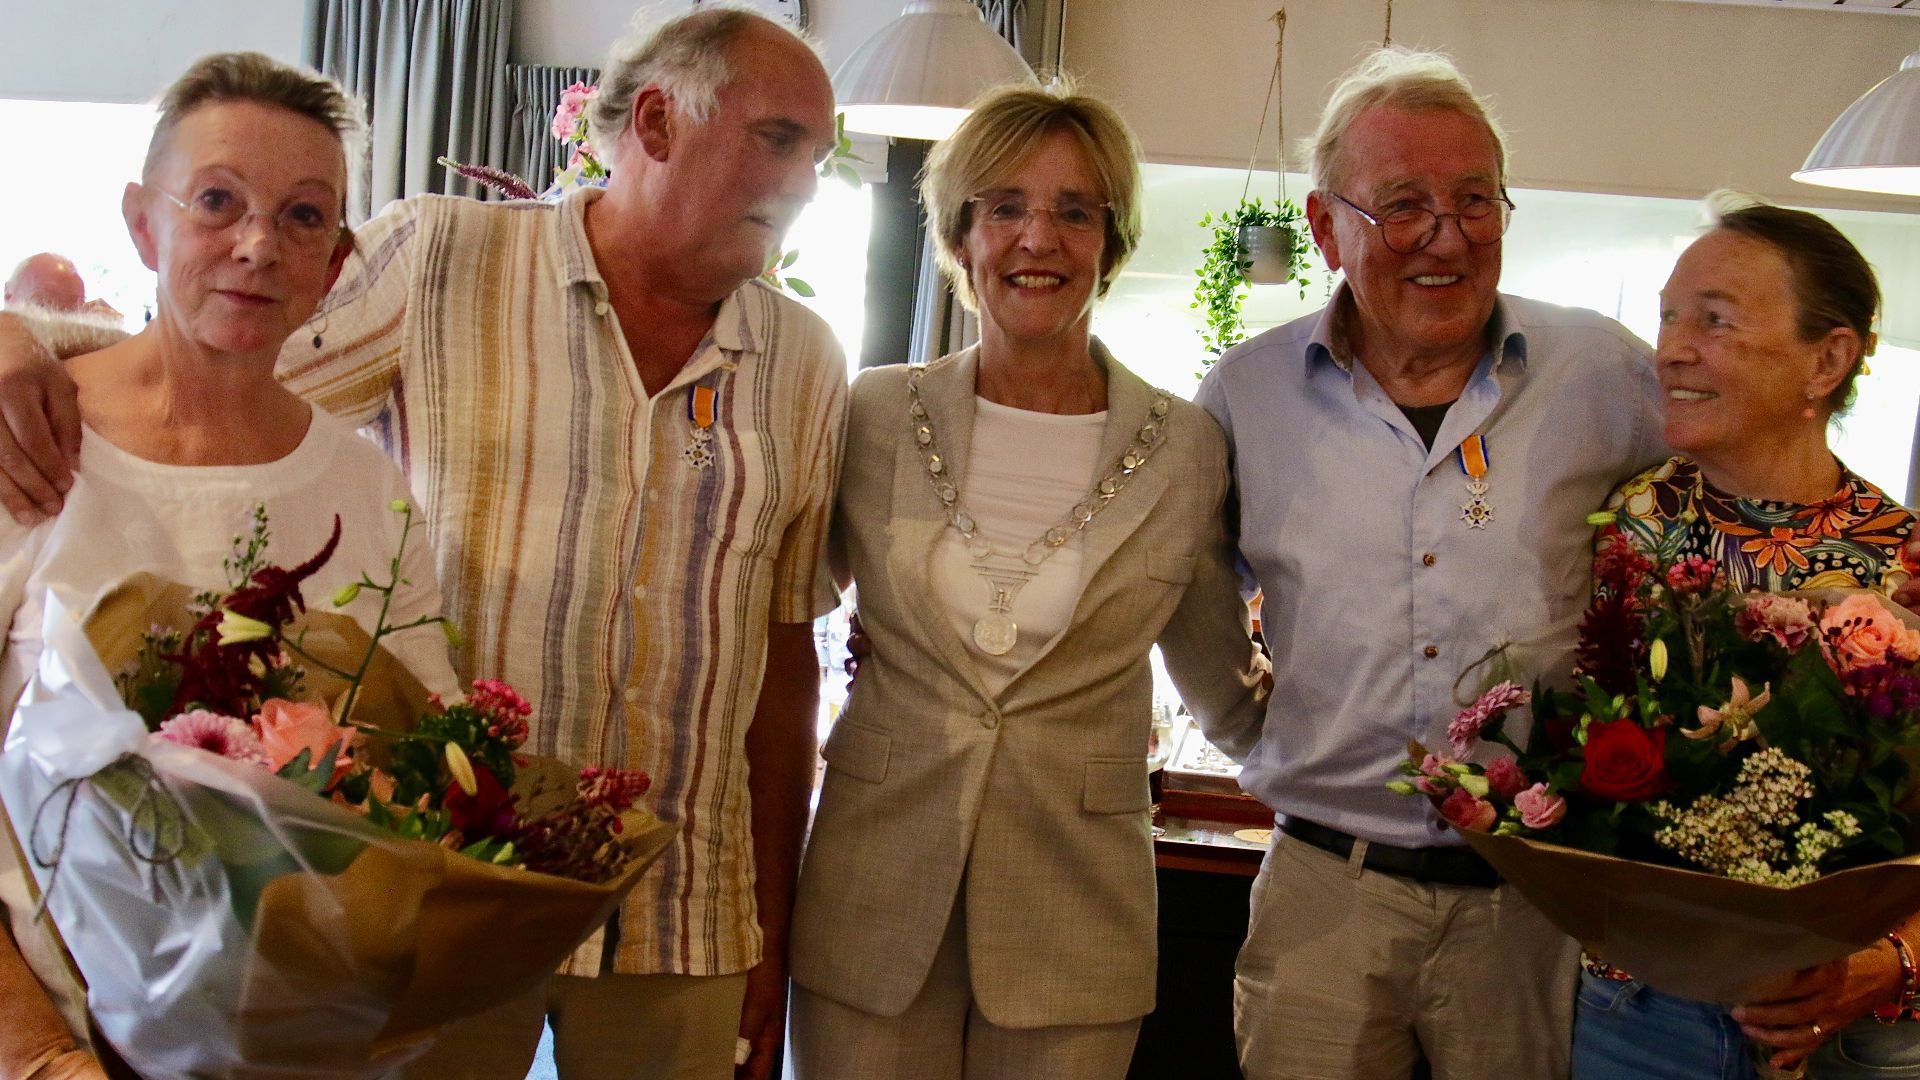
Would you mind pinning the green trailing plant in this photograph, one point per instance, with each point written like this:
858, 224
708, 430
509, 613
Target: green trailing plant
1221, 295
837, 165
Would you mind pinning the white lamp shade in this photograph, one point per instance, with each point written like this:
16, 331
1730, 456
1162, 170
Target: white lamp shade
1875, 145
916, 76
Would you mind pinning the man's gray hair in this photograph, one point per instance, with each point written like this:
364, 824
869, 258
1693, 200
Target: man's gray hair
686, 56
1403, 79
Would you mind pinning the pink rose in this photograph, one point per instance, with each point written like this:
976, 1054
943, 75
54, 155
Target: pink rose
1505, 777
1786, 619
1860, 632
288, 727
1539, 810
1466, 813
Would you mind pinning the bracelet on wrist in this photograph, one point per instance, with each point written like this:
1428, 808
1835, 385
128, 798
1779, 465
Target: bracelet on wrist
1906, 1003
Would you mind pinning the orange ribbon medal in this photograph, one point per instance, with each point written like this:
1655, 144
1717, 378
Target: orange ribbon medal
700, 413
1476, 511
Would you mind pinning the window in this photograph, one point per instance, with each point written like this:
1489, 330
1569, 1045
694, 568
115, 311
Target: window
74, 210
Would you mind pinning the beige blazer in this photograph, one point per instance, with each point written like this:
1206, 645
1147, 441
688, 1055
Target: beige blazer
1030, 808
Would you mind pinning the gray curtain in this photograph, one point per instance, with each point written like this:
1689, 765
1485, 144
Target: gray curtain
433, 76
1007, 17
532, 151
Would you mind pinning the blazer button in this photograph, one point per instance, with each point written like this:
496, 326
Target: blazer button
989, 721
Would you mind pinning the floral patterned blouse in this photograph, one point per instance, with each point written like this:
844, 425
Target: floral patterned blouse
1851, 539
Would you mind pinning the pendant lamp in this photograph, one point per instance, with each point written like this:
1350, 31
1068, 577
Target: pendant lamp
1875, 145
915, 77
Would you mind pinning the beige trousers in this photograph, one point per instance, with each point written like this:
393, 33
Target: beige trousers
1351, 973
615, 1027
943, 1036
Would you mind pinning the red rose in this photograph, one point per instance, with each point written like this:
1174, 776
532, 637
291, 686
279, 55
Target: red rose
1624, 761
487, 812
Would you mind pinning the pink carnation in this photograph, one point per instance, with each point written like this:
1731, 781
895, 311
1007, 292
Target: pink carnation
1505, 777
1464, 731
1860, 632
1466, 813
1539, 810
1786, 619
214, 733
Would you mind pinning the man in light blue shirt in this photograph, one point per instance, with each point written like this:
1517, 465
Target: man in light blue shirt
1413, 468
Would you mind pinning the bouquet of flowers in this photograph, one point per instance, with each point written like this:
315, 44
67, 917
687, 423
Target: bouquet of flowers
1725, 793
263, 861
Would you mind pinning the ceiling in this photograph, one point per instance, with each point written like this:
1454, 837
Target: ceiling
1874, 7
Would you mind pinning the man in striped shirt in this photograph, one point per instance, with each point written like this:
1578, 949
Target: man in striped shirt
626, 449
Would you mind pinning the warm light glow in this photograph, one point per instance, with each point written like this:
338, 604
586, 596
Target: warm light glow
1885, 179
930, 122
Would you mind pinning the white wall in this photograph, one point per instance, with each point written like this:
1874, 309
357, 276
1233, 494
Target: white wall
1627, 96
1632, 96
129, 50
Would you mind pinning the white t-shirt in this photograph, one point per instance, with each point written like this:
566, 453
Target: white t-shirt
1025, 472
126, 514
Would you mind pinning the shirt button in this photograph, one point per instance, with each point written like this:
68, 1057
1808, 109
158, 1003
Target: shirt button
601, 307
1430, 651
1428, 559
632, 694
639, 592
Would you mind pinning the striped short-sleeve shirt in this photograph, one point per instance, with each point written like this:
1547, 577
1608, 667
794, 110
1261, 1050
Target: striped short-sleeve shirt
615, 556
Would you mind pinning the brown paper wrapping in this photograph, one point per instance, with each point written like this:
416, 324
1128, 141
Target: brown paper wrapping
408, 931
1696, 934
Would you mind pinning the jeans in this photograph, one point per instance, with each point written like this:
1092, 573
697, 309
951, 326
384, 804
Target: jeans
1630, 1031
1869, 1050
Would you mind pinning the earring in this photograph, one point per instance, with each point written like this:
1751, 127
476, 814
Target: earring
1807, 413
318, 330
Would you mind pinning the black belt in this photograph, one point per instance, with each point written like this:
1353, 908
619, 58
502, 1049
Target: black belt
1431, 865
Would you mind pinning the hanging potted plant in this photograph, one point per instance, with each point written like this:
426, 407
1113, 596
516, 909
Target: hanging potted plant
1252, 243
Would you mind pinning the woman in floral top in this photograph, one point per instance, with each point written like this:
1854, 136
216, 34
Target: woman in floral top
1764, 326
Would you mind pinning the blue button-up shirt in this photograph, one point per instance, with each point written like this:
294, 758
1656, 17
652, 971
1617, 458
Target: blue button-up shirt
1384, 610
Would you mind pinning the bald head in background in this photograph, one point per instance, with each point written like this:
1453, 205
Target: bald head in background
46, 280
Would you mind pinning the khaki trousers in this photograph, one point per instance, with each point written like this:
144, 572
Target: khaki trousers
615, 1027
943, 1036
1351, 973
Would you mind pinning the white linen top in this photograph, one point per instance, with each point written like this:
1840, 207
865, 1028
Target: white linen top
1025, 471
126, 514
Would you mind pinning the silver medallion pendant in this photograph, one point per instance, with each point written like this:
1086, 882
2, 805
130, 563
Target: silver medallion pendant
995, 634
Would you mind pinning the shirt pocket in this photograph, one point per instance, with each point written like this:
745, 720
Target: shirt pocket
859, 752
1115, 786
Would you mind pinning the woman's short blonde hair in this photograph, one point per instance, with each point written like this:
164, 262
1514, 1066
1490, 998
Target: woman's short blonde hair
1004, 130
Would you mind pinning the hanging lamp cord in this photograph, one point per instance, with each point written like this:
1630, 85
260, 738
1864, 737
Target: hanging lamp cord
1386, 36
1272, 101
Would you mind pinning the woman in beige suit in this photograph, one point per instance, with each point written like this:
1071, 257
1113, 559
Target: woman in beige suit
1023, 520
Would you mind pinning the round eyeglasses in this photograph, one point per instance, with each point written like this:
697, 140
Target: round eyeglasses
1408, 229
1011, 211
301, 222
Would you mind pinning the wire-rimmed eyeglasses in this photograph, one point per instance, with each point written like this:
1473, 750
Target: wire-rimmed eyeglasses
1410, 228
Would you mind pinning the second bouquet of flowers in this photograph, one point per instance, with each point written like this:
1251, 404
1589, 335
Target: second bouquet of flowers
267, 851
1724, 795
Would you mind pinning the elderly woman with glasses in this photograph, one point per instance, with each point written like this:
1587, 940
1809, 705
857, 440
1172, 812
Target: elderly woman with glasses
1023, 519
239, 211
